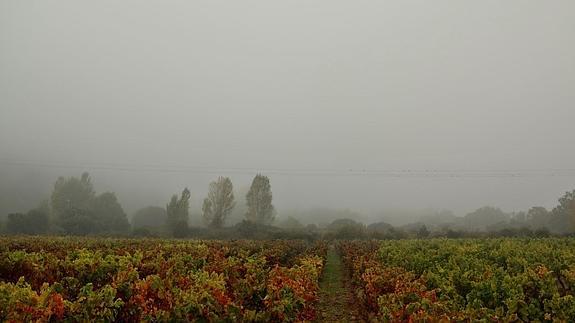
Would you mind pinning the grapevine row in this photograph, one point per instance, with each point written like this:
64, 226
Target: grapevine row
463, 280
74, 279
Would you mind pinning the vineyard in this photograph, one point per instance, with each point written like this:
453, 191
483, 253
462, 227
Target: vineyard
509, 280
89, 279
153, 280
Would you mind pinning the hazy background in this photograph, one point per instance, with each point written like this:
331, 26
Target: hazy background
366, 105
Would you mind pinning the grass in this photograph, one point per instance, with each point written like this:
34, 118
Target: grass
335, 296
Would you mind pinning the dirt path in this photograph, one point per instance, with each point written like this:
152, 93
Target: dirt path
335, 296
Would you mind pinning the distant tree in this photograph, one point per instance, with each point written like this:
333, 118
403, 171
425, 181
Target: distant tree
178, 212
484, 217
453, 234
396, 234
342, 223
71, 193
259, 201
440, 218
518, 218
346, 229
380, 227
17, 223
291, 223
324, 216
76, 221
34, 222
219, 203
149, 217
109, 214
312, 227
77, 210
537, 217
40, 216
563, 215
423, 232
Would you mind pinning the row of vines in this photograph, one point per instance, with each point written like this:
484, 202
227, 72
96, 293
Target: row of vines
73, 279
509, 280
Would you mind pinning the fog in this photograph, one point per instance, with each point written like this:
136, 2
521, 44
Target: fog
370, 106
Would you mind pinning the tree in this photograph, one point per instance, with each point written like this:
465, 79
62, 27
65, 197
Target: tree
563, 215
342, 223
77, 210
485, 217
219, 203
346, 229
259, 201
109, 213
537, 217
380, 230
71, 200
291, 223
423, 232
34, 222
16, 223
70, 193
78, 221
178, 212
149, 217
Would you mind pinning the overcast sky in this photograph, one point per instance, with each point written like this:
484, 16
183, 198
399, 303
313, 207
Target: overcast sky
153, 96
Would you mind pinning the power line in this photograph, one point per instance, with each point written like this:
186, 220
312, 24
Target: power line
405, 173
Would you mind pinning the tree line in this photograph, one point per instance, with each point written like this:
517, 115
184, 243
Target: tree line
74, 208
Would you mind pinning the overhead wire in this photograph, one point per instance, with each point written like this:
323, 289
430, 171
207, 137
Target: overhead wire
212, 170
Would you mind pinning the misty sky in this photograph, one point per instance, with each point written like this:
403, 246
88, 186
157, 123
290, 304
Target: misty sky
153, 96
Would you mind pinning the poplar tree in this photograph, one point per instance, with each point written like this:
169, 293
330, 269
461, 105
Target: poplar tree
178, 211
259, 201
219, 203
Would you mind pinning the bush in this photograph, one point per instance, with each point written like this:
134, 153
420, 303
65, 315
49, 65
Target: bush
34, 222
345, 229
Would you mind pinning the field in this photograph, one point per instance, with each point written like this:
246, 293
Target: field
510, 280
153, 280
89, 279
